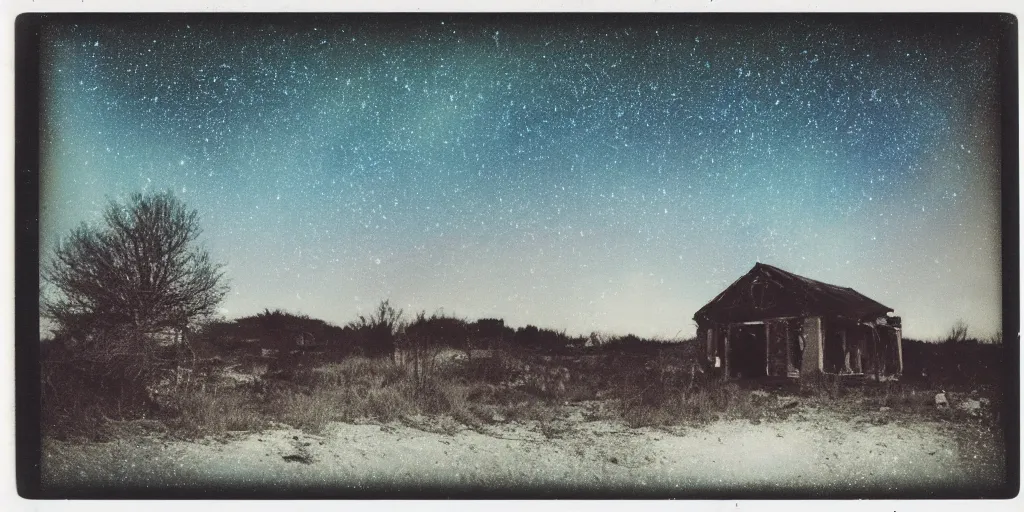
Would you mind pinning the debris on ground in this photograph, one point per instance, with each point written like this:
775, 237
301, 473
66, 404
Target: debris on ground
971, 406
303, 458
788, 402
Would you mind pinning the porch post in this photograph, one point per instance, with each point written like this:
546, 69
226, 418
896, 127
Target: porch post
725, 351
813, 360
899, 347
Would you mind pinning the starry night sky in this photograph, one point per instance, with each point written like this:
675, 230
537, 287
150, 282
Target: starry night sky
589, 174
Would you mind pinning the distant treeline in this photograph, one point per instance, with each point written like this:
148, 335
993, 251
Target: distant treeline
384, 332
954, 362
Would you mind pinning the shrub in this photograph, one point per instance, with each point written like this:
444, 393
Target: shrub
375, 334
107, 375
502, 368
439, 330
953, 364
441, 396
213, 412
307, 411
654, 406
957, 333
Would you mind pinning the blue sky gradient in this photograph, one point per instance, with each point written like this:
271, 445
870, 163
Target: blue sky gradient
588, 174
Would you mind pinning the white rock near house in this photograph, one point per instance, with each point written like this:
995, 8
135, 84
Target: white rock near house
971, 406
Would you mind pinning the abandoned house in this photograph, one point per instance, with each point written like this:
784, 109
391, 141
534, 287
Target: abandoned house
773, 323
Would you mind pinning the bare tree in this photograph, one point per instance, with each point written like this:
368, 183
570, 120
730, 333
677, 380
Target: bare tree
141, 269
110, 288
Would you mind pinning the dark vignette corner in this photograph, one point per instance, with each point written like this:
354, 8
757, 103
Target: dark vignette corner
27, 188
1006, 26
26, 257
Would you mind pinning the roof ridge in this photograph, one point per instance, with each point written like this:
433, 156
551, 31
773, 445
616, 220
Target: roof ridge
794, 274
807, 295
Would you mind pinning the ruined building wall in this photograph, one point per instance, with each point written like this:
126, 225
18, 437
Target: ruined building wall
813, 354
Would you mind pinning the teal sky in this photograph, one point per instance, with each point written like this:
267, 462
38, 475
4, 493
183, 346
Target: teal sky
588, 174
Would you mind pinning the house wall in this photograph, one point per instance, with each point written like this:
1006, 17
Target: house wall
813, 360
797, 346
860, 348
711, 338
714, 340
890, 348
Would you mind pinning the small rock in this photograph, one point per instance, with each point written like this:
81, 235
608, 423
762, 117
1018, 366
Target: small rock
576, 417
940, 401
971, 406
305, 459
788, 402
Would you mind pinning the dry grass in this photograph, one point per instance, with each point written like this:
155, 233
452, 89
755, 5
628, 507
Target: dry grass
214, 412
639, 390
656, 406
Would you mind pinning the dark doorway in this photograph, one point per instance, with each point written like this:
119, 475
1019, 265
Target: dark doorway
795, 348
748, 351
835, 350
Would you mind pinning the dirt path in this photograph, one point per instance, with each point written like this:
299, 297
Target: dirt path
823, 455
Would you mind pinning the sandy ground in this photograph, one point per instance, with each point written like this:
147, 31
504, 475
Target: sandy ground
818, 453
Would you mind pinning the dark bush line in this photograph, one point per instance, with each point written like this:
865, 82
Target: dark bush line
953, 363
647, 382
384, 331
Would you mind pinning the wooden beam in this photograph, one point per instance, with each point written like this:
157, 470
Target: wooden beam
899, 347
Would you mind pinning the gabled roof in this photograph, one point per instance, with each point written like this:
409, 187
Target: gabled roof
770, 292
